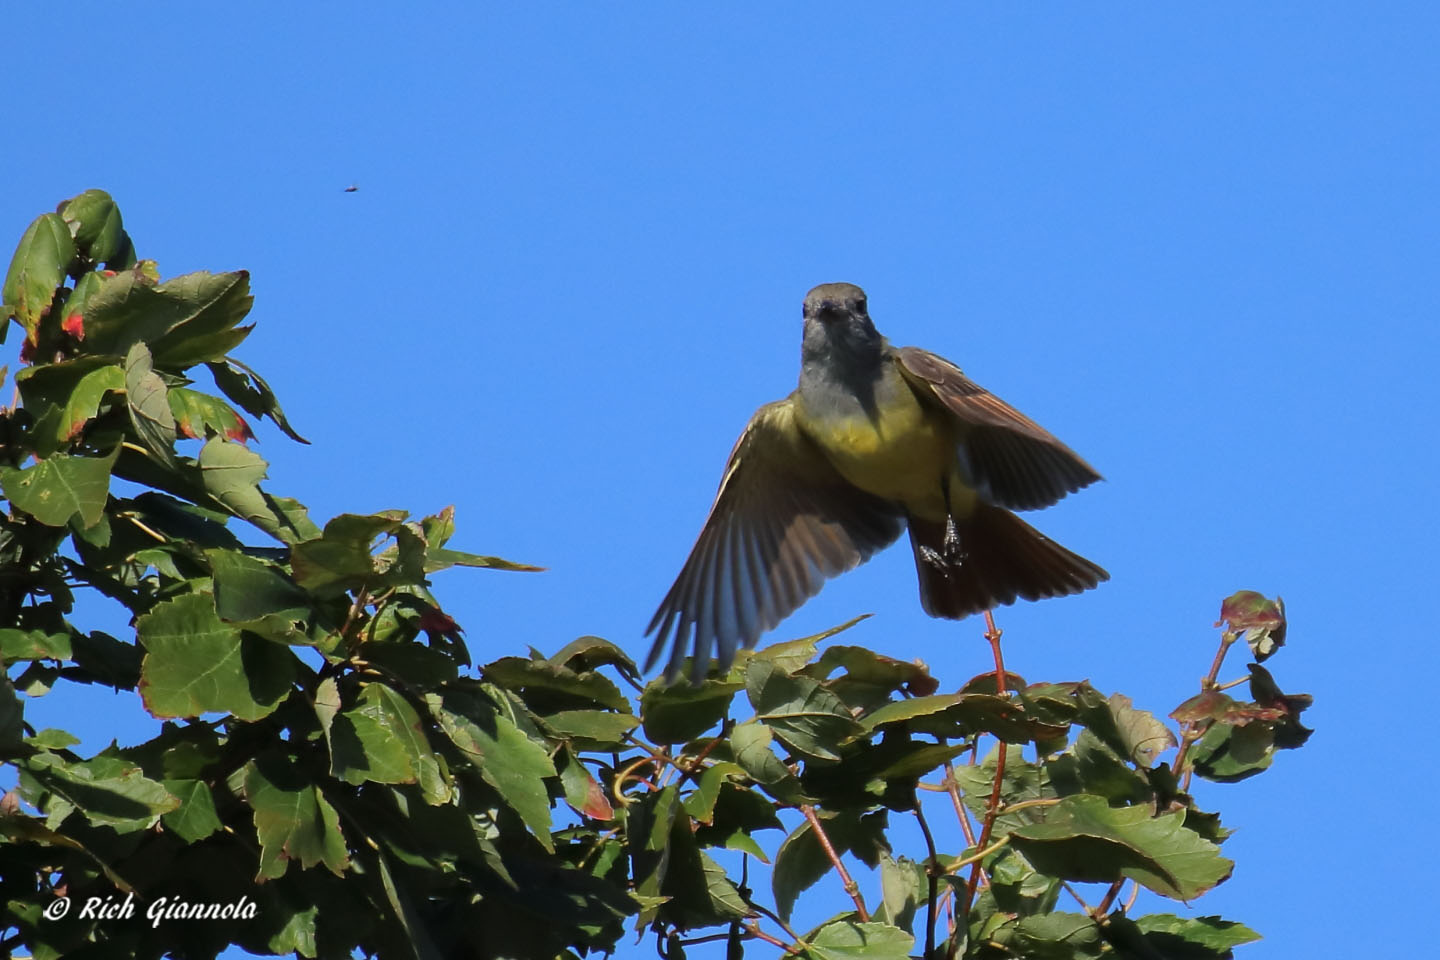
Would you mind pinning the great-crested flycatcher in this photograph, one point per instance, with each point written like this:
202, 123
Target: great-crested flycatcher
874, 439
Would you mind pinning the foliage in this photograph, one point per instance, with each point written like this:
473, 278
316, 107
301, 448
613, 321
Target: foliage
328, 756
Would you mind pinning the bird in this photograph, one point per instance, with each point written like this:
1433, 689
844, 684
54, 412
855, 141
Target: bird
874, 440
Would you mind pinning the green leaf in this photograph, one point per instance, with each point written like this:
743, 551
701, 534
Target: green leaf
441, 558
1139, 736
750, 742
231, 474
248, 589
1051, 936
848, 940
582, 791
253, 395
801, 860
38, 267
1022, 781
293, 820
870, 679
738, 813
516, 766
1083, 838
202, 416
548, 685
84, 401
145, 395
342, 557
99, 233
799, 863
52, 739
33, 645
680, 712
106, 789
593, 729
700, 804
904, 888
588, 653
12, 717
1091, 766
195, 663
60, 487
218, 303
805, 715
1229, 753
791, 656
195, 818
1193, 938
390, 731
958, 715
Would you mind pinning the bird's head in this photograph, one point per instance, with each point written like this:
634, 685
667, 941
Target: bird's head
837, 323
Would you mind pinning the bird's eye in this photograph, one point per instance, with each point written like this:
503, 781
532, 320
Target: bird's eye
860, 306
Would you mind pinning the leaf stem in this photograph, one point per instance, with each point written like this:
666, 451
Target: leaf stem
851, 887
1191, 731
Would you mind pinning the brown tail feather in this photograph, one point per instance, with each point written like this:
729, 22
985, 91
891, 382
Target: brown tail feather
1004, 558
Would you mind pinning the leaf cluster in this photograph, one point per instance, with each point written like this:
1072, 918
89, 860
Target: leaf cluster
326, 749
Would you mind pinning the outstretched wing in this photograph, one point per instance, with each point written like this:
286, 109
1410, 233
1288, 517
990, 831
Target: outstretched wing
783, 521
1013, 461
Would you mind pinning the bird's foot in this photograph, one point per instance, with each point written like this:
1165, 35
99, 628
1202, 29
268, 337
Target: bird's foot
951, 553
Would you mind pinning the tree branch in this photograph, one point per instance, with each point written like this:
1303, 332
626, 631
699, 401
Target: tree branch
851, 887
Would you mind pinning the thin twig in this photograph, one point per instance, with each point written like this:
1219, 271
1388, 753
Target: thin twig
1191, 731
161, 537
1109, 899
953, 787
765, 911
932, 870
757, 933
1078, 899
958, 865
992, 806
1130, 900
1024, 804
851, 887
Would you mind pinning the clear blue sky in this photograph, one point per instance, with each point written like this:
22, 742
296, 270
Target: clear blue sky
1198, 244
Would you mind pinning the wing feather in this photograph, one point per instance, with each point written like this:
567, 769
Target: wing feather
783, 522
1013, 461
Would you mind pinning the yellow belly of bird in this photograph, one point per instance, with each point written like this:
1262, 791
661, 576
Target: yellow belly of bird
903, 455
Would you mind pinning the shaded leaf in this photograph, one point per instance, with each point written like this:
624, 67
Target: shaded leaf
106, 789
293, 820
195, 663
33, 645
251, 393
248, 589
512, 763
680, 712
195, 818
145, 397
1083, 838
805, 715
